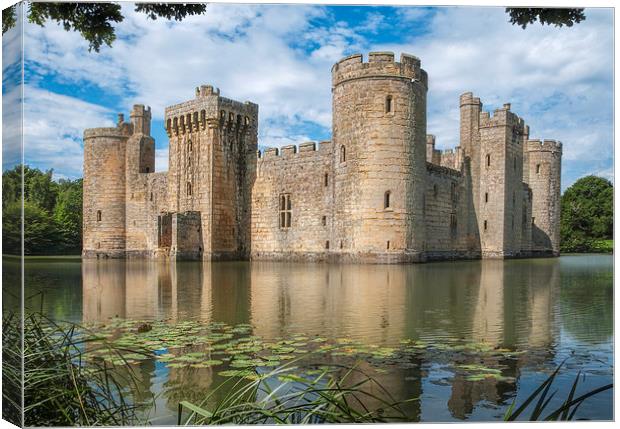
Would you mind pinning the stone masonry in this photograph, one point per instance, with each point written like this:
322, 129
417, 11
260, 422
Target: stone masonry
379, 191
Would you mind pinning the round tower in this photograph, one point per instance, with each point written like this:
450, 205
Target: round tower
104, 190
544, 165
379, 133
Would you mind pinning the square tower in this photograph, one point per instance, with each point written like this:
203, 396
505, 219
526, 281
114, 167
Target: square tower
212, 162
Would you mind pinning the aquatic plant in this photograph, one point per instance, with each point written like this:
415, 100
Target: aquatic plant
289, 394
564, 412
62, 386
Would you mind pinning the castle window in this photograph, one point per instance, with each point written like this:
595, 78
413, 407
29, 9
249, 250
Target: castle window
98, 215
343, 154
537, 168
151, 196
514, 198
327, 244
341, 245
435, 191
485, 225
386, 200
148, 169
388, 245
326, 179
324, 220
486, 197
513, 222
285, 212
453, 193
189, 188
514, 163
189, 145
453, 223
488, 160
388, 104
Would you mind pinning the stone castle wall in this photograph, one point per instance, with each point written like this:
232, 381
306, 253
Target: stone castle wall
304, 176
379, 191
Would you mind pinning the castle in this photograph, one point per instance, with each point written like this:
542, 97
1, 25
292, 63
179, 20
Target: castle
379, 191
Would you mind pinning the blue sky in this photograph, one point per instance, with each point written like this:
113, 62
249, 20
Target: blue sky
560, 80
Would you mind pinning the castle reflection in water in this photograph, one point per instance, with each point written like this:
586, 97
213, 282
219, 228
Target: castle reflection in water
499, 303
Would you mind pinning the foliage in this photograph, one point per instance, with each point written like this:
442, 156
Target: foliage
565, 412
52, 213
94, 21
586, 214
523, 16
60, 389
282, 397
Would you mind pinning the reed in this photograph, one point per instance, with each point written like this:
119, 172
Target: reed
564, 412
61, 385
337, 394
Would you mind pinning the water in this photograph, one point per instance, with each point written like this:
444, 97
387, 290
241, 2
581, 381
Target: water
550, 308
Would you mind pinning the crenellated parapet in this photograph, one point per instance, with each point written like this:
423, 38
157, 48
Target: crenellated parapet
122, 130
503, 117
304, 149
210, 110
537, 145
468, 99
379, 65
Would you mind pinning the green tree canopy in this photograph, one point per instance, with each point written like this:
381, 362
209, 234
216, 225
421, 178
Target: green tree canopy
95, 21
52, 213
524, 16
587, 213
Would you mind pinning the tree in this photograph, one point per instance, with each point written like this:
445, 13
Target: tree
51, 215
68, 214
587, 214
95, 21
523, 16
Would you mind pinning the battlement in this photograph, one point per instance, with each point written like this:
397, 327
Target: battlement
122, 130
502, 117
379, 65
439, 169
210, 110
536, 145
291, 150
468, 99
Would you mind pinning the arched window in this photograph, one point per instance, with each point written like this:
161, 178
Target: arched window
386, 200
98, 215
343, 154
388, 104
189, 189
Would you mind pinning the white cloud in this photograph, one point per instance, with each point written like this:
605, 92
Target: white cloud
161, 159
53, 128
558, 79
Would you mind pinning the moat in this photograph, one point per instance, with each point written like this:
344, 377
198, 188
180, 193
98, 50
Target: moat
523, 316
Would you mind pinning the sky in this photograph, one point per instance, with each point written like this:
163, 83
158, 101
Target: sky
560, 80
